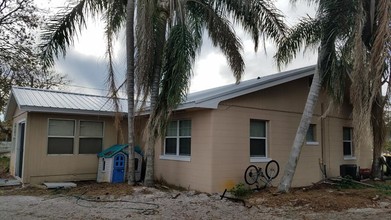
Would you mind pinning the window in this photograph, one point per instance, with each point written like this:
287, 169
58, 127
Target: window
311, 134
90, 137
258, 139
347, 142
61, 136
178, 138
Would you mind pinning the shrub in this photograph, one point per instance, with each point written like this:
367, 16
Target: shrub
240, 190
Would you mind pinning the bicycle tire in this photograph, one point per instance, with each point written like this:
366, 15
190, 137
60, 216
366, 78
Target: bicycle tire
272, 169
251, 175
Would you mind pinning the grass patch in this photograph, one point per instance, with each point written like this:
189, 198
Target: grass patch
384, 188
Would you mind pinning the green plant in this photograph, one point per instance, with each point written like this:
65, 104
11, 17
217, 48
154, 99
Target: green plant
240, 190
348, 183
384, 188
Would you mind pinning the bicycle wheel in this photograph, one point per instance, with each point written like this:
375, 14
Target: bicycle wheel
251, 175
272, 169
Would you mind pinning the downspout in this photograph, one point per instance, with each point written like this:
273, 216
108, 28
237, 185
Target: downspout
322, 140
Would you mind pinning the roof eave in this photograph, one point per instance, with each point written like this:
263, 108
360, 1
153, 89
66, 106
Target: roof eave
213, 102
10, 108
67, 111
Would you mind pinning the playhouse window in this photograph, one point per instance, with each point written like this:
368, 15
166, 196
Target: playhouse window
258, 138
90, 137
178, 138
61, 136
347, 142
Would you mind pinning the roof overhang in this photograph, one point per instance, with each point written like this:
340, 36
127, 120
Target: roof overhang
212, 102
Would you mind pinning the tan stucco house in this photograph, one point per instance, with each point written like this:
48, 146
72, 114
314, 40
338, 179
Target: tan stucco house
212, 138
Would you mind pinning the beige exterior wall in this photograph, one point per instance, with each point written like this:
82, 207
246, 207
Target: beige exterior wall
38, 166
221, 145
197, 173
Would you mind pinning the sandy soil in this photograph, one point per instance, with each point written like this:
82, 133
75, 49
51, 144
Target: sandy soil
120, 201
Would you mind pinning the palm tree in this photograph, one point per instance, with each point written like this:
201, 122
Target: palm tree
371, 71
332, 25
130, 86
59, 34
339, 29
169, 33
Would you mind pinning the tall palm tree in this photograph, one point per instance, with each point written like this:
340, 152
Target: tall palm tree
338, 29
169, 33
332, 26
58, 36
130, 86
371, 70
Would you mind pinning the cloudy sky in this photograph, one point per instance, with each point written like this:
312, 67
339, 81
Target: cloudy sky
86, 67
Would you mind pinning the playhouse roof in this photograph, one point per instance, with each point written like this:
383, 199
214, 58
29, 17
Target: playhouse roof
113, 150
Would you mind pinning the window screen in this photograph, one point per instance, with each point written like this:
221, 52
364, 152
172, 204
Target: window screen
61, 136
258, 139
178, 138
311, 133
347, 142
90, 137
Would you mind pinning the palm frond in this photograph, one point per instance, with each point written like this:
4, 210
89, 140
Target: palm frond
304, 34
180, 54
145, 47
258, 18
114, 18
62, 28
222, 35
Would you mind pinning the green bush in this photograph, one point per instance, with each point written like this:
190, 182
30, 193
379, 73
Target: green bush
240, 190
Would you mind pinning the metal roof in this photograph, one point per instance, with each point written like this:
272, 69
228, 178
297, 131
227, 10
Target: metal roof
212, 97
41, 100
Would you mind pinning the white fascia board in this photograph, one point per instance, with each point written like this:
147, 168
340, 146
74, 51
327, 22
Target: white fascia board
10, 107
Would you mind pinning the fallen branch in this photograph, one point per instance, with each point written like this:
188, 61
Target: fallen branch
353, 181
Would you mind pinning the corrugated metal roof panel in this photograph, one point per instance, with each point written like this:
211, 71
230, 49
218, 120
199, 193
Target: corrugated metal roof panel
41, 100
45, 99
211, 97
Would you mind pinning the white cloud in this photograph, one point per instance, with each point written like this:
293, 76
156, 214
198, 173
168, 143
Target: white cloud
86, 64
211, 71
207, 72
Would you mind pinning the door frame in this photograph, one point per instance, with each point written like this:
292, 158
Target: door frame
19, 162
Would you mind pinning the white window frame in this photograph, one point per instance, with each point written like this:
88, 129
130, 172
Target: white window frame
351, 156
315, 136
81, 137
254, 159
176, 156
56, 136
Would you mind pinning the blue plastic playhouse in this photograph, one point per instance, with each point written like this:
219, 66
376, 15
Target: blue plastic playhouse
113, 162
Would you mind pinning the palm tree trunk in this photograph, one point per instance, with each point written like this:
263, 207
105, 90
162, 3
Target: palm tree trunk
152, 135
130, 86
301, 133
378, 125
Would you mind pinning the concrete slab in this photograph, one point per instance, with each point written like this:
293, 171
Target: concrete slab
8, 182
60, 185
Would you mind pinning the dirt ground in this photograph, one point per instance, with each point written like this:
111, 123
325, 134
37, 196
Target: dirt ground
90, 200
